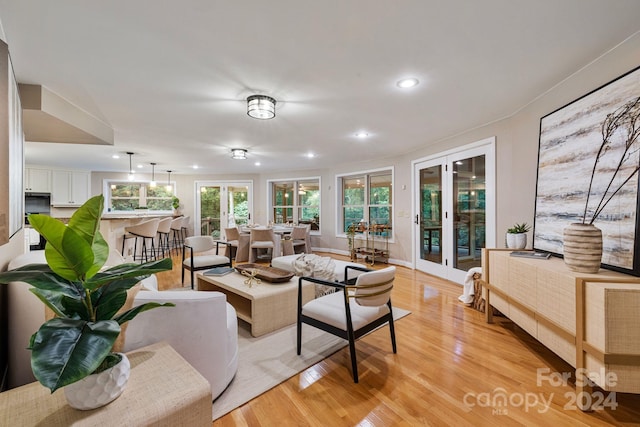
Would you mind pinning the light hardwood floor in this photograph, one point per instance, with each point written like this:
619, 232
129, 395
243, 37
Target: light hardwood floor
451, 369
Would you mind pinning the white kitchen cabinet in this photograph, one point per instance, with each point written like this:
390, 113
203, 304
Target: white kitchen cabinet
37, 180
70, 188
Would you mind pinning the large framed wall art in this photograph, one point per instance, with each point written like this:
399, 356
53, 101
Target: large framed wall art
570, 141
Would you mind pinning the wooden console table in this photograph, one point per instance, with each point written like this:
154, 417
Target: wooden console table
163, 390
589, 320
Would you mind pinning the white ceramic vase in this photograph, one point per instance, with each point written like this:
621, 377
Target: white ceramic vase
97, 390
516, 240
582, 247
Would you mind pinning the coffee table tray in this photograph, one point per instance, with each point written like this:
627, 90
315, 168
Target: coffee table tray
268, 274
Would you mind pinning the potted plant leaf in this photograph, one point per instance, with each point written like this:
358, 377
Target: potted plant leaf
85, 298
516, 236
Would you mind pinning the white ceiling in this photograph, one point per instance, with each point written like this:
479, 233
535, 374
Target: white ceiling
171, 77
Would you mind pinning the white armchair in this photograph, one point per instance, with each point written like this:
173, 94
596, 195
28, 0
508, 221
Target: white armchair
202, 327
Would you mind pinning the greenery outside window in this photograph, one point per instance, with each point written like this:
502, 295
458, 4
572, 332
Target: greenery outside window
127, 196
366, 198
295, 201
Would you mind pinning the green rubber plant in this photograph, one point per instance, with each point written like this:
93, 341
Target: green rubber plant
85, 298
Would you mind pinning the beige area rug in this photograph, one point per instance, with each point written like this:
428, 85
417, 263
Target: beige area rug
266, 361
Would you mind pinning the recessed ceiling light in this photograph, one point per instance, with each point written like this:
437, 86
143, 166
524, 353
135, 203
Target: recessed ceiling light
407, 83
139, 166
361, 134
310, 155
195, 166
257, 163
115, 156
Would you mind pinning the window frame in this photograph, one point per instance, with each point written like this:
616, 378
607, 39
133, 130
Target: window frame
144, 185
296, 207
367, 205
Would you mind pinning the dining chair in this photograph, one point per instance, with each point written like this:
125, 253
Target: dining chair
232, 234
200, 256
300, 239
261, 240
352, 311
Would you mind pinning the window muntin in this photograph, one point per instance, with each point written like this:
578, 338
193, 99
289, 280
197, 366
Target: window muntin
296, 201
367, 198
126, 196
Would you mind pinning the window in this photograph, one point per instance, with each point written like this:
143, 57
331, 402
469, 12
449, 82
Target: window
367, 198
126, 196
295, 201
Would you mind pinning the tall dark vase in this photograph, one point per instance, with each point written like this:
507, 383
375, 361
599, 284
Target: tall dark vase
582, 247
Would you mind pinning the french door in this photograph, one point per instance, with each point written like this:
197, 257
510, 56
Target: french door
454, 210
222, 204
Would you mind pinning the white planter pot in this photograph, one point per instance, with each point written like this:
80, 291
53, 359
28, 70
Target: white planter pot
516, 241
97, 390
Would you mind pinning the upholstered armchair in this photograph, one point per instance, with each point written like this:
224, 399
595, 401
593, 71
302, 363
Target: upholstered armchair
200, 255
202, 327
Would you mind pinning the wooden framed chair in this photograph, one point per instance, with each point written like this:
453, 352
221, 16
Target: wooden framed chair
200, 256
351, 312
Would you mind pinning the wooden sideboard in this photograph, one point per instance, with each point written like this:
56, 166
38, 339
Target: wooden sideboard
592, 321
163, 390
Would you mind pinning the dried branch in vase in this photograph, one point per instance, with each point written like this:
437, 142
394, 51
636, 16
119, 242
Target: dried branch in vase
620, 131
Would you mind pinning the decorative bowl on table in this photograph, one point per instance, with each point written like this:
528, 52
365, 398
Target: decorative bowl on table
268, 274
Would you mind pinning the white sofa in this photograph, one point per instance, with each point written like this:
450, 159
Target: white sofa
286, 263
202, 327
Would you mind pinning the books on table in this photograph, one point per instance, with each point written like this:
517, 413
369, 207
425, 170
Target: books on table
531, 254
218, 271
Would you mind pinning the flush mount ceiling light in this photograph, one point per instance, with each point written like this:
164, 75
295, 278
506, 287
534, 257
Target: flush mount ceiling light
152, 184
261, 107
238, 153
131, 175
407, 83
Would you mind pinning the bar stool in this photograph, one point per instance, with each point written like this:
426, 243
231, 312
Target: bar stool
176, 234
184, 229
164, 228
145, 230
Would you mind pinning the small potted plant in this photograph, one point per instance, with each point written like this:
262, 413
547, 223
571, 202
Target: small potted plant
175, 203
86, 301
516, 236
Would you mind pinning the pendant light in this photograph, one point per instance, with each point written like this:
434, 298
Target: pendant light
169, 187
131, 175
152, 184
